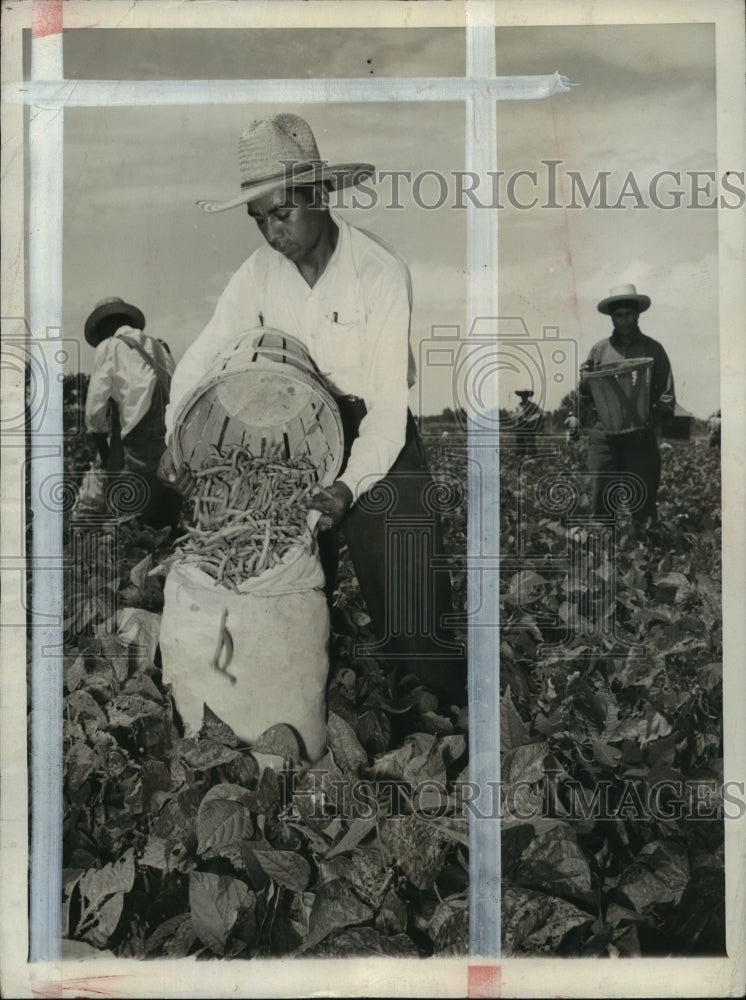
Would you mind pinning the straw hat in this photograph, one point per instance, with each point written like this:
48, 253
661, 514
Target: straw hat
524, 393
281, 150
623, 293
111, 306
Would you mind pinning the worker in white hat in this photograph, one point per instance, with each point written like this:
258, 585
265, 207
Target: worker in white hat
347, 297
634, 453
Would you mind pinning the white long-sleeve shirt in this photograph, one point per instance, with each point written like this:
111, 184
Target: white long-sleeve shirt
120, 373
354, 323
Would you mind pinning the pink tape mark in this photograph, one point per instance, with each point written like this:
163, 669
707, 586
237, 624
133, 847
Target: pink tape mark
484, 981
88, 988
46, 18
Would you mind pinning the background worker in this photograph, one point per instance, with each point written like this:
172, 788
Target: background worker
572, 428
125, 409
634, 452
713, 430
347, 297
527, 419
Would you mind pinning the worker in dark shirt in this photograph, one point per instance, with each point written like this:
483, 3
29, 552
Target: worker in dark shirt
634, 452
527, 418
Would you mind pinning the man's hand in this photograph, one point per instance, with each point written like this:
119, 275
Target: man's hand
180, 479
333, 502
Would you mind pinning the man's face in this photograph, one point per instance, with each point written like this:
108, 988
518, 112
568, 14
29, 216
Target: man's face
625, 319
292, 221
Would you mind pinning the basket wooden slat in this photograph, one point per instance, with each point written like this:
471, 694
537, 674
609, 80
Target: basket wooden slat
621, 392
262, 392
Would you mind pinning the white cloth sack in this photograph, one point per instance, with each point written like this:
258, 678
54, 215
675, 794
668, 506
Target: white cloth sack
278, 626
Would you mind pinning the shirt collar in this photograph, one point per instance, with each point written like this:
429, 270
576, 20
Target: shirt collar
126, 328
616, 339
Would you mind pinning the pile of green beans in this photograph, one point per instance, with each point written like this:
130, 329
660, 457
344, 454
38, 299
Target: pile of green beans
247, 511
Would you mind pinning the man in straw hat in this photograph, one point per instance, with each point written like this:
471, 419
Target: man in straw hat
347, 296
125, 411
527, 420
634, 452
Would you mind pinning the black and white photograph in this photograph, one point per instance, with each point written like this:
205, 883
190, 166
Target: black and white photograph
373, 446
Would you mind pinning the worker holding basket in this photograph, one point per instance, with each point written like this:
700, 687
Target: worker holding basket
629, 379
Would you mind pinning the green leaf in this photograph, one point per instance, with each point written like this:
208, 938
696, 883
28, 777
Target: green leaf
699, 922
266, 797
345, 746
527, 585
74, 672
125, 709
659, 874
358, 829
527, 763
223, 818
168, 929
80, 704
201, 755
606, 754
513, 842
361, 941
406, 761
279, 740
79, 764
213, 728
556, 862
335, 906
535, 923
102, 894
392, 916
215, 902
374, 730
513, 730
449, 928
418, 847
286, 868
363, 869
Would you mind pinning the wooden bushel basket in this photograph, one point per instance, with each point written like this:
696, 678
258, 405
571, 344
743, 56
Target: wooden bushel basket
621, 392
262, 391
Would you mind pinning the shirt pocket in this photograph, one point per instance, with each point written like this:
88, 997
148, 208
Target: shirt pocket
344, 342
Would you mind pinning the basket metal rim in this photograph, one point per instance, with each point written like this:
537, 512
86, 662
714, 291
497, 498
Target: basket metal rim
620, 367
321, 391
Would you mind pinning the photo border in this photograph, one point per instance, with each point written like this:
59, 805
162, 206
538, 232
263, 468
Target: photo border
439, 977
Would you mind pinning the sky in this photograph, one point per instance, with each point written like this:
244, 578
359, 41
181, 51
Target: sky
644, 102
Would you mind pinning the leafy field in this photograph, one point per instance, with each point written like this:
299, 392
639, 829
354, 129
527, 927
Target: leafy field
616, 750
176, 845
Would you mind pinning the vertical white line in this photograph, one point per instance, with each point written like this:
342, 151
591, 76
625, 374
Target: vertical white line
45, 311
484, 493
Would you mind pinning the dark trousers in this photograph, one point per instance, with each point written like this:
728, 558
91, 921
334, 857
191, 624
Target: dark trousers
134, 459
394, 537
610, 457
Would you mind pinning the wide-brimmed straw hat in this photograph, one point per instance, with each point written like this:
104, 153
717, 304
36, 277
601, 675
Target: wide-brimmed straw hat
623, 293
111, 306
281, 150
